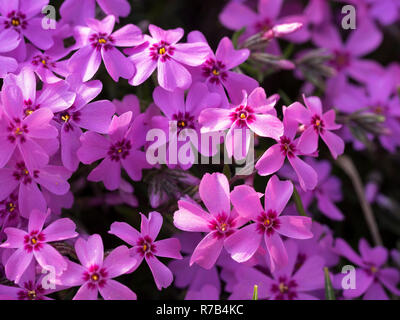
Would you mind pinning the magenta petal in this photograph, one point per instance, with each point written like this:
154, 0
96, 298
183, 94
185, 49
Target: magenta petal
271, 161
235, 83
145, 66
117, 64
295, 227
246, 202
310, 276
37, 219
308, 142
119, 261
244, 243
30, 198
37, 35
15, 238
135, 163
85, 62
33, 154
90, 252
342, 248
115, 7
152, 226
12, 99
191, 54
17, 264
334, 143
172, 75
109, 172
73, 276
390, 277
162, 275
277, 251
277, 194
169, 248
52, 181
60, 229
127, 36
7, 183
7, 64
266, 125
191, 217
96, 116
171, 36
125, 232
47, 257
9, 38
366, 38
70, 143
207, 251
94, 147
214, 119
375, 292
306, 174
236, 16
214, 191
228, 55
169, 102
114, 290
328, 208
86, 293
363, 281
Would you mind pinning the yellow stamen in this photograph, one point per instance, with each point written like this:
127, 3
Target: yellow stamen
65, 117
283, 288
215, 72
181, 124
26, 172
95, 277
223, 227
145, 247
267, 222
317, 122
33, 240
43, 61
18, 131
11, 207
242, 115
374, 269
32, 294
162, 50
15, 22
28, 112
119, 150
102, 41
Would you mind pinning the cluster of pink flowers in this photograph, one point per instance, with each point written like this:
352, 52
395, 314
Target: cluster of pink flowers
58, 135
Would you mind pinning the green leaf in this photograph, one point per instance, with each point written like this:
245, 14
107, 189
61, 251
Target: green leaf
298, 202
255, 292
227, 172
236, 36
329, 293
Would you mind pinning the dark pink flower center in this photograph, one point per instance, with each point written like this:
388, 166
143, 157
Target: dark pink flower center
243, 115
16, 131
29, 108
263, 25
146, 247
161, 50
120, 150
287, 147
16, 20
223, 225
101, 40
284, 289
317, 123
22, 174
268, 222
31, 291
66, 118
34, 241
341, 60
378, 109
184, 120
214, 71
44, 61
95, 277
371, 269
